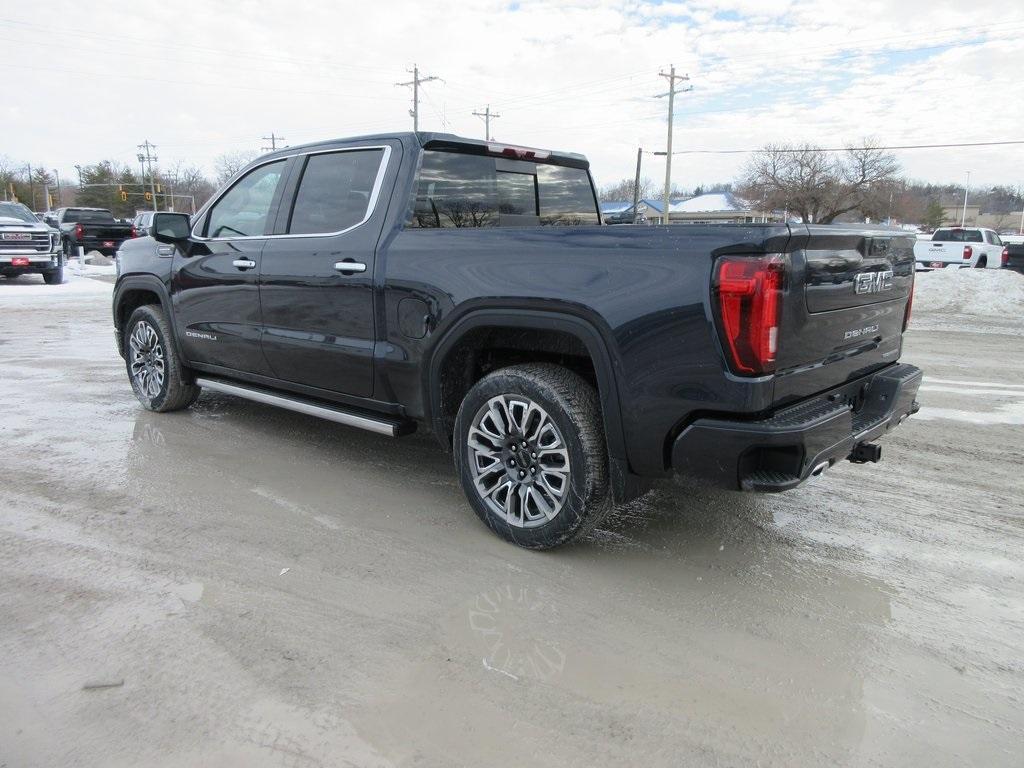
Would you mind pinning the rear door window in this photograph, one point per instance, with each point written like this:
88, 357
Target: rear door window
335, 191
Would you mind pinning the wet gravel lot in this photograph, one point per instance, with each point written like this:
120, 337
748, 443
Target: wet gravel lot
240, 586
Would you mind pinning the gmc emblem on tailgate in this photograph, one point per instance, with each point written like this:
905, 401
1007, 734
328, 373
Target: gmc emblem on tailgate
873, 282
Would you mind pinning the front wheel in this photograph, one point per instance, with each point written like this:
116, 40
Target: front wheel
154, 368
982, 263
54, 276
530, 453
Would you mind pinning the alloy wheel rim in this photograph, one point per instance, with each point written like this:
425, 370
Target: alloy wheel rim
519, 461
147, 359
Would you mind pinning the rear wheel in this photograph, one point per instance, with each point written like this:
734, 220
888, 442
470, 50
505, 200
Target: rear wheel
530, 453
154, 368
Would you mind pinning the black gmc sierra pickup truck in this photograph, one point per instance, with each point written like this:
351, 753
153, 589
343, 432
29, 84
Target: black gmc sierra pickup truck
428, 281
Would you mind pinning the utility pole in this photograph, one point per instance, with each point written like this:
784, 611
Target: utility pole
636, 184
487, 115
60, 191
963, 216
672, 78
149, 159
415, 83
273, 141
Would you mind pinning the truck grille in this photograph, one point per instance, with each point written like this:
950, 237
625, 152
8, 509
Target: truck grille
40, 241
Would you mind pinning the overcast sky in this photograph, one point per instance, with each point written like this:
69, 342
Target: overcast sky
87, 81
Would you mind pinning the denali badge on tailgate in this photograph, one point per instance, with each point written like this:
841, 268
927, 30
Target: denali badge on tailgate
873, 282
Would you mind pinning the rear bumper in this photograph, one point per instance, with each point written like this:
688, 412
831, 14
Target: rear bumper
801, 440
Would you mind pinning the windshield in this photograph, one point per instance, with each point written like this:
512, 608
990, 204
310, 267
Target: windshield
17, 211
78, 214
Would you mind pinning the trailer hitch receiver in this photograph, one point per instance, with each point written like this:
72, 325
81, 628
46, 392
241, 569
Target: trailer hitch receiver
865, 452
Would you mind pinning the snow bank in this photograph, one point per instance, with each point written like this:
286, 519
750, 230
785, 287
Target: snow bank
32, 287
998, 293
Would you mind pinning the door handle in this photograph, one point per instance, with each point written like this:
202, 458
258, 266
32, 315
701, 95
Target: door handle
243, 263
349, 266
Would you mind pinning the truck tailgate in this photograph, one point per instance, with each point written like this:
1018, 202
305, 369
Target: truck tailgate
845, 306
929, 251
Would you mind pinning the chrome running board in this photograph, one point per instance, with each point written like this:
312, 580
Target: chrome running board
381, 425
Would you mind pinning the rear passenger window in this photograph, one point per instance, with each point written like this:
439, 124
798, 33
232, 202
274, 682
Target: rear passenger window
335, 190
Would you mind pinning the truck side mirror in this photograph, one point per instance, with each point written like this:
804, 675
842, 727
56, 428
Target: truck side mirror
170, 227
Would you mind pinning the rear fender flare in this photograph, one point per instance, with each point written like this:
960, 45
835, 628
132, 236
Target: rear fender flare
583, 330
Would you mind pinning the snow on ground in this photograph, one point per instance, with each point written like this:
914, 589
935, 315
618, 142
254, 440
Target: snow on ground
995, 293
31, 288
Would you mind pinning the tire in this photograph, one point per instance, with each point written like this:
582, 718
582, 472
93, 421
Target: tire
69, 251
155, 371
982, 262
54, 276
558, 416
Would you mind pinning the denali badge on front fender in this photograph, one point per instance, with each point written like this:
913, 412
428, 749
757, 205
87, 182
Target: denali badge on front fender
873, 282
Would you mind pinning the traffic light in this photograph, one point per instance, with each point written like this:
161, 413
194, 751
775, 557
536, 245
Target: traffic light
124, 196
149, 196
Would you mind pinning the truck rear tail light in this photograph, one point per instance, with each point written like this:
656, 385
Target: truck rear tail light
968, 252
1004, 257
135, 232
79, 232
748, 297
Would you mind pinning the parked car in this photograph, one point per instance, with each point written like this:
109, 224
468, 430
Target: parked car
427, 281
961, 246
95, 229
142, 222
1014, 245
28, 246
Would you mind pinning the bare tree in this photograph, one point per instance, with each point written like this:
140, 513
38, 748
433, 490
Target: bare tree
230, 163
623, 190
820, 186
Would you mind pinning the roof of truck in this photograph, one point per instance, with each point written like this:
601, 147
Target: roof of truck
439, 140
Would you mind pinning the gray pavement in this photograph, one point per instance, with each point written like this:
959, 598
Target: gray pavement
240, 586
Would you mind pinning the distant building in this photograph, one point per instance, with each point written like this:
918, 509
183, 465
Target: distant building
714, 208
954, 214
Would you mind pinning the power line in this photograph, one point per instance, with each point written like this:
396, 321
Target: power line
415, 83
487, 115
842, 149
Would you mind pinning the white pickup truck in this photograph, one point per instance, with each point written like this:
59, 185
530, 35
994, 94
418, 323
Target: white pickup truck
962, 246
